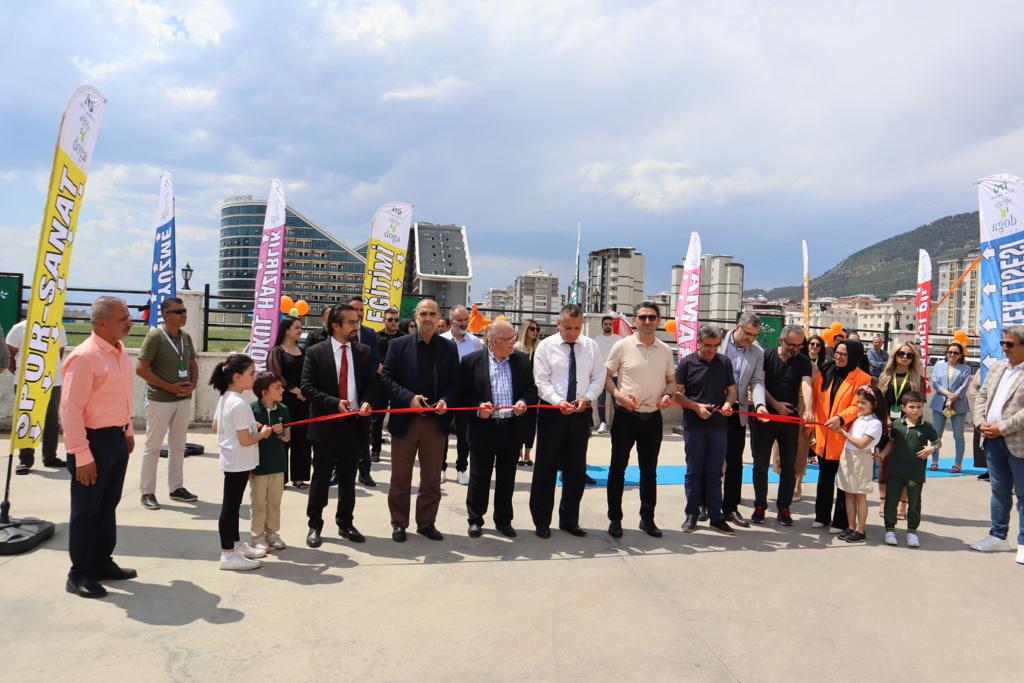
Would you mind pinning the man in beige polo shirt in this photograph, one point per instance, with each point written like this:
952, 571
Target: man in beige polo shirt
646, 377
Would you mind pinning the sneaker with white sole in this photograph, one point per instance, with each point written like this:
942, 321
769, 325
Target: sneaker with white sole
817, 525
444, 476
235, 561
991, 544
912, 540
1020, 554
250, 552
464, 478
275, 542
603, 429
259, 542
835, 530
890, 538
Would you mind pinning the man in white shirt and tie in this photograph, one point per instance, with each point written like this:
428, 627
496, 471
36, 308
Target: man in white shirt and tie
569, 371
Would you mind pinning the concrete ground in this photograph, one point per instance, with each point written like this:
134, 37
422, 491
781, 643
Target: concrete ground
770, 604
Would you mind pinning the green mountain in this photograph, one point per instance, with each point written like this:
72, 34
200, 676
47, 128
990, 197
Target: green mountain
889, 265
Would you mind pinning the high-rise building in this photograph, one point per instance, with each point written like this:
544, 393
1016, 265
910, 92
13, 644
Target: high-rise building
666, 305
721, 288
960, 310
499, 299
317, 267
536, 292
439, 264
615, 280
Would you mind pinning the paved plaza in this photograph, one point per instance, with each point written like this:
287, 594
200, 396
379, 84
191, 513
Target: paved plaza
770, 604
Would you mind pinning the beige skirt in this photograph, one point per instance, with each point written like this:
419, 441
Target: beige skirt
855, 471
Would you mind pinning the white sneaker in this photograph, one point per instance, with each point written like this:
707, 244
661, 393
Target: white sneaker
835, 530
890, 538
275, 542
443, 475
250, 552
259, 542
991, 544
817, 525
912, 540
464, 478
235, 561
1020, 554
602, 429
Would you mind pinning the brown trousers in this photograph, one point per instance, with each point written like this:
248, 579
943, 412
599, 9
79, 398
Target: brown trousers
426, 439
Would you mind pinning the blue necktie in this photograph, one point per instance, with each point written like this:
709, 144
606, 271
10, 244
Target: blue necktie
570, 395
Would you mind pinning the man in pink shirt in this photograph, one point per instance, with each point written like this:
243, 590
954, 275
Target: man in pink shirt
96, 411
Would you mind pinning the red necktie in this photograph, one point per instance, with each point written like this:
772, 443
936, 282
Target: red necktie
343, 377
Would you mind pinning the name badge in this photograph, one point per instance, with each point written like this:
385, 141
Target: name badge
895, 413
182, 371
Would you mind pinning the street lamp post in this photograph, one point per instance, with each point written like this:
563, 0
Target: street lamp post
186, 275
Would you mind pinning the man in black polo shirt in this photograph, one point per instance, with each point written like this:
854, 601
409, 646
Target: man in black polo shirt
706, 388
787, 382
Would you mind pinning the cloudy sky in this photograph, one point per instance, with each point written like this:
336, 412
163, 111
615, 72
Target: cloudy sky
756, 124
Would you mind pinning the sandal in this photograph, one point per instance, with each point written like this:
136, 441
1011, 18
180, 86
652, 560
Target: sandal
934, 467
529, 463
301, 485
955, 469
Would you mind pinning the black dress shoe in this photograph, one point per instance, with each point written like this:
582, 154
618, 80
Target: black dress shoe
703, 516
366, 480
574, 530
313, 538
543, 531
398, 535
650, 528
506, 530
430, 532
590, 480
85, 588
333, 480
351, 533
54, 462
615, 529
475, 530
690, 523
722, 527
114, 573
736, 518
22, 468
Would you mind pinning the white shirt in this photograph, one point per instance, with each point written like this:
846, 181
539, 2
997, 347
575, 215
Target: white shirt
336, 347
865, 425
736, 355
605, 342
551, 369
232, 414
17, 335
465, 346
1002, 395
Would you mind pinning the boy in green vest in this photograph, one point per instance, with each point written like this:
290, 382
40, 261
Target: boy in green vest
913, 441
268, 477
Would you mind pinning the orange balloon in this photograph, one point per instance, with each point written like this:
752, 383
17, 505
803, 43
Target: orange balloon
961, 337
303, 306
829, 336
837, 328
287, 304
670, 325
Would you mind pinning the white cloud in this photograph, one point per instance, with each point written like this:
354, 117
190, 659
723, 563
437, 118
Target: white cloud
381, 25
191, 96
441, 89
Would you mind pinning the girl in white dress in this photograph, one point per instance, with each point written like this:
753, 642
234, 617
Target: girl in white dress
858, 458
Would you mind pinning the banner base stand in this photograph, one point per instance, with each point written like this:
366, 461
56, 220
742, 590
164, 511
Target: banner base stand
21, 535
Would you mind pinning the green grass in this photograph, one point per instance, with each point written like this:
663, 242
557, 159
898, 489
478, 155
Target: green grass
234, 338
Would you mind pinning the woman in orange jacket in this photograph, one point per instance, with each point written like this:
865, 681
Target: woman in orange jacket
835, 405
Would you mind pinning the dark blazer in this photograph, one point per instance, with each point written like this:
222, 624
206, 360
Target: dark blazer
476, 389
368, 336
320, 386
401, 378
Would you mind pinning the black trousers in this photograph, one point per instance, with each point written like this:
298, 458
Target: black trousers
763, 435
499, 454
643, 430
380, 402
342, 453
92, 532
827, 470
231, 505
51, 428
732, 483
298, 446
561, 445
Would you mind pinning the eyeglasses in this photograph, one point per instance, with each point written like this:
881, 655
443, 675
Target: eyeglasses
503, 339
391, 320
815, 344
178, 311
952, 353
904, 354
841, 354
647, 318
1008, 344
533, 329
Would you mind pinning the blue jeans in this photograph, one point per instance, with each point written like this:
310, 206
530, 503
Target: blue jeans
939, 422
705, 455
1006, 476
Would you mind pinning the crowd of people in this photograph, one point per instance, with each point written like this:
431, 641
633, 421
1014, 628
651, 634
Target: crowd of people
515, 400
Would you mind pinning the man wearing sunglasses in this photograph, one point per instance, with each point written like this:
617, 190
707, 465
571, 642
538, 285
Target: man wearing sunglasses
999, 414
167, 362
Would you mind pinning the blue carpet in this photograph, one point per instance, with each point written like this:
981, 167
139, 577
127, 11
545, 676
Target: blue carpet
675, 474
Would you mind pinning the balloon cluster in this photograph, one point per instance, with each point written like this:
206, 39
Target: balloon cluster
829, 335
670, 325
294, 308
960, 337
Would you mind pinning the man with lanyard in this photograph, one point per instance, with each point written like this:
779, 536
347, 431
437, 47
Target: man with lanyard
466, 344
787, 376
167, 362
380, 394
747, 357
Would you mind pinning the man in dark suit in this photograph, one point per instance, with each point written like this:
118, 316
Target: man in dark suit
337, 376
496, 376
421, 371
368, 337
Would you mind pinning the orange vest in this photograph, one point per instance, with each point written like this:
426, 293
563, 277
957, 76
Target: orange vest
829, 444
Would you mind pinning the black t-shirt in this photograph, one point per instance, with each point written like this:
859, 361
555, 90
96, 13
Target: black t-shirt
426, 353
704, 382
782, 377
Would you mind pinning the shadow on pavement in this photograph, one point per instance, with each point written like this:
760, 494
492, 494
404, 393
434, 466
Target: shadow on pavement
179, 604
